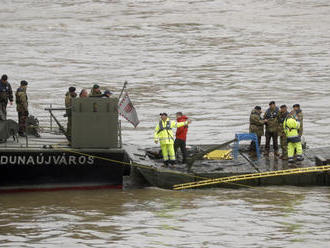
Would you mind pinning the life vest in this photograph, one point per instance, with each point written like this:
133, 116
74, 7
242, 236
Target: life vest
167, 127
163, 131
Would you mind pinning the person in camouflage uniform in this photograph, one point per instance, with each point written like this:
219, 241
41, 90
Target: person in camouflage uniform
95, 91
256, 126
68, 104
283, 114
297, 114
6, 94
22, 107
271, 116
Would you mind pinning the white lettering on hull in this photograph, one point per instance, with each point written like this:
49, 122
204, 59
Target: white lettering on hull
41, 159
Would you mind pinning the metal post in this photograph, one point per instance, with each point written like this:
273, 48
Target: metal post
119, 133
122, 90
27, 140
51, 119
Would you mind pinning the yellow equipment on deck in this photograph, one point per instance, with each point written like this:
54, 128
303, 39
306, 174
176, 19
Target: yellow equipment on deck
219, 155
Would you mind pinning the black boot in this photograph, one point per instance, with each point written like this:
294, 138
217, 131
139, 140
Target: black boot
166, 163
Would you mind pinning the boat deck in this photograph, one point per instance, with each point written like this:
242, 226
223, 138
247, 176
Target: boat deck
157, 175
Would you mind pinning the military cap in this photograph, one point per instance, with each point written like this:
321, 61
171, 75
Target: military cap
257, 108
283, 106
163, 114
24, 83
72, 89
4, 77
107, 92
271, 102
96, 86
296, 105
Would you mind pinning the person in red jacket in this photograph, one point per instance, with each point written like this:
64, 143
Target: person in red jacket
181, 136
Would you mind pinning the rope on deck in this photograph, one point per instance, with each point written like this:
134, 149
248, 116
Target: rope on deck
251, 176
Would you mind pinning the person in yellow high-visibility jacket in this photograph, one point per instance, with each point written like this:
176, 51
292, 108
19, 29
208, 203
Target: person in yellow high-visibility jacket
291, 129
164, 134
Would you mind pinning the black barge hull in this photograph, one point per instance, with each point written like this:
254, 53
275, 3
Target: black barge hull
57, 169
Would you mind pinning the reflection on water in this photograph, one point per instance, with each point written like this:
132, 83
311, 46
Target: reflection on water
214, 60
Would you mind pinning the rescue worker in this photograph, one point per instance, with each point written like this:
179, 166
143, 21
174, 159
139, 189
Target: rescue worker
297, 114
271, 116
6, 94
83, 93
95, 91
164, 134
283, 114
68, 104
291, 129
256, 126
181, 136
22, 108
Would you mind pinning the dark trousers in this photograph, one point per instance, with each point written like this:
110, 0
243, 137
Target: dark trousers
22, 116
253, 144
3, 111
269, 136
182, 144
69, 126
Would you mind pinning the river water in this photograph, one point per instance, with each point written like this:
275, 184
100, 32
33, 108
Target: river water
213, 60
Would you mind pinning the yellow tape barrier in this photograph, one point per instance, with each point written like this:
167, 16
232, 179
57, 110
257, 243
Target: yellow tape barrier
251, 176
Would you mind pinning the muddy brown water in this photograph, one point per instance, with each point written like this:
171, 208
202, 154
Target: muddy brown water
214, 60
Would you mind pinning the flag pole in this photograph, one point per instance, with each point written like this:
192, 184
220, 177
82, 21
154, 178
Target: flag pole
122, 90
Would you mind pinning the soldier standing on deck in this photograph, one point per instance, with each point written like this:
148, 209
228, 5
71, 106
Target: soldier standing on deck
297, 114
6, 94
22, 108
256, 126
283, 114
68, 104
271, 116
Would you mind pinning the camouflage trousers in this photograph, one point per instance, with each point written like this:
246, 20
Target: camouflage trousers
3, 111
22, 116
284, 145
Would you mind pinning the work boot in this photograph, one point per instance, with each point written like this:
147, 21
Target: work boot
276, 153
166, 163
291, 160
300, 158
